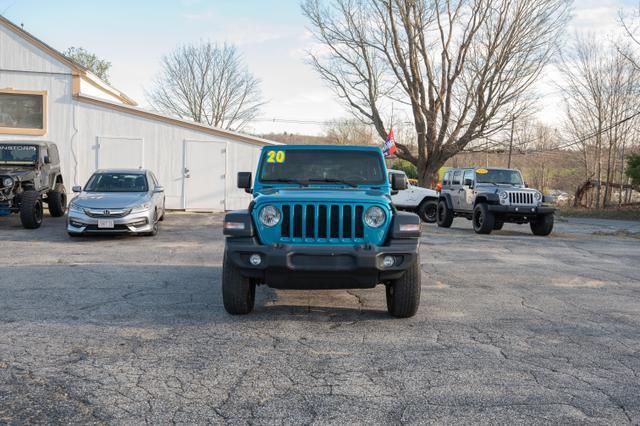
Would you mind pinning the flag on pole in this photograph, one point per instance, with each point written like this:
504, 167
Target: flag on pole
389, 147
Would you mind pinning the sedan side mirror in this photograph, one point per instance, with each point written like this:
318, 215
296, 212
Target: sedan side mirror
244, 181
77, 188
398, 182
158, 189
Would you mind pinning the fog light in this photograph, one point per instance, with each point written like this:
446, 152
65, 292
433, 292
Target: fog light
388, 261
255, 259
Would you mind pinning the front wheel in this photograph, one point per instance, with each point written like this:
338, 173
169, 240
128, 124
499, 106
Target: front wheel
444, 215
428, 211
31, 210
57, 201
542, 225
403, 294
238, 292
483, 219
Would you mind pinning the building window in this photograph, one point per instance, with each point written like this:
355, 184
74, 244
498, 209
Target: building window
23, 112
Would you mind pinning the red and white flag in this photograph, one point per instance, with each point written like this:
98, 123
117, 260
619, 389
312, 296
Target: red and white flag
389, 147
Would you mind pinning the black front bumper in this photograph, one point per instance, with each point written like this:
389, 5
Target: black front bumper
321, 267
521, 210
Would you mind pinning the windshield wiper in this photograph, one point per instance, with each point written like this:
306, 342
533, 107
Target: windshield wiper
329, 180
299, 182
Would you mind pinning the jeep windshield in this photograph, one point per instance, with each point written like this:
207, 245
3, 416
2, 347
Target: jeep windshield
18, 154
497, 176
318, 166
117, 182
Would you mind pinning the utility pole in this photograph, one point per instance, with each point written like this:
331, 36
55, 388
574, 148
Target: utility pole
511, 143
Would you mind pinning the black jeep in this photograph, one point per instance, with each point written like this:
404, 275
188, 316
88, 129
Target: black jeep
489, 198
30, 176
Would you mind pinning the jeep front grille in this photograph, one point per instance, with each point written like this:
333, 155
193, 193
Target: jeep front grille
322, 222
521, 198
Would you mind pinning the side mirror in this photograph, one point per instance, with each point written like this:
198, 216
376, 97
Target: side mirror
526, 185
77, 188
158, 189
244, 181
399, 182
47, 160
469, 183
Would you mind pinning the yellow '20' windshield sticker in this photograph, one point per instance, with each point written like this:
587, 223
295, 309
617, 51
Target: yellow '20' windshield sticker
482, 171
276, 157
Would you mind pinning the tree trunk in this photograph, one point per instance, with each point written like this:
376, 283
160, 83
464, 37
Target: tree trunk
428, 173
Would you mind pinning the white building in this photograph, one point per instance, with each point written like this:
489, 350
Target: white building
44, 95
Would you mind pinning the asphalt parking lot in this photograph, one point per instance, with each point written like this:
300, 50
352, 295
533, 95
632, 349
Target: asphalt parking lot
512, 328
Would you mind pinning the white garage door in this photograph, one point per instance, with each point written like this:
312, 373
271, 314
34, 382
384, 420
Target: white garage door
204, 175
120, 153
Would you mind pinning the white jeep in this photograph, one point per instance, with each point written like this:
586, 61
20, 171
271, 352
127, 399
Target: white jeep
416, 199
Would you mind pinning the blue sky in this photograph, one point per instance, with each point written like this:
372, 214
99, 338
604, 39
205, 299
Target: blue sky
271, 34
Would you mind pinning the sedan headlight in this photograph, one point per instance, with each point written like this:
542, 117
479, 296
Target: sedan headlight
269, 216
74, 208
7, 182
374, 217
141, 208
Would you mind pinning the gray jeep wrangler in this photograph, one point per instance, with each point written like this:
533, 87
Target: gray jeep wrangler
489, 198
30, 176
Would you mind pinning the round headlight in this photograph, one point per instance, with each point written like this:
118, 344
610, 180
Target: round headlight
7, 182
269, 216
503, 195
538, 196
374, 217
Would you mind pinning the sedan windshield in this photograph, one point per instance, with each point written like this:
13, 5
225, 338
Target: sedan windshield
511, 177
117, 182
313, 166
18, 154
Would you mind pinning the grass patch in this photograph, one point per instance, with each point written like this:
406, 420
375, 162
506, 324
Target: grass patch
627, 214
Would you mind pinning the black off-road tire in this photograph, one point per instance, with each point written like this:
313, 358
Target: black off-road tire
483, 220
238, 292
31, 210
542, 225
444, 215
57, 201
428, 211
403, 294
498, 224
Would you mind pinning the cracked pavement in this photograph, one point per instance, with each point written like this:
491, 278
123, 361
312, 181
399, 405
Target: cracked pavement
512, 329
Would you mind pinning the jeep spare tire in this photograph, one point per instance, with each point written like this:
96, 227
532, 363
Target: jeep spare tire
31, 209
428, 211
542, 225
57, 201
483, 219
444, 215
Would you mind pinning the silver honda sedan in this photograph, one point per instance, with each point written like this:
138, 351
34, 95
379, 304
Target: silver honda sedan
117, 201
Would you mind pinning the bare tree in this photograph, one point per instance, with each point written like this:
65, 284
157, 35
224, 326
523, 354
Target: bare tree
349, 131
461, 67
601, 89
209, 84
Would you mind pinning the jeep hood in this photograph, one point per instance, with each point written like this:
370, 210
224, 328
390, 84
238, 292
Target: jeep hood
323, 195
16, 172
104, 200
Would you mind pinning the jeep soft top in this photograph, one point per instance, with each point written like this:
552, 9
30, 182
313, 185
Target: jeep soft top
321, 218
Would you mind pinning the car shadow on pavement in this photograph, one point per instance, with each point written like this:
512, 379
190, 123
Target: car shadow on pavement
146, 295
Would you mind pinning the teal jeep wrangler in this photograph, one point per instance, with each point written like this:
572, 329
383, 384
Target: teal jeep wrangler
321, 218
